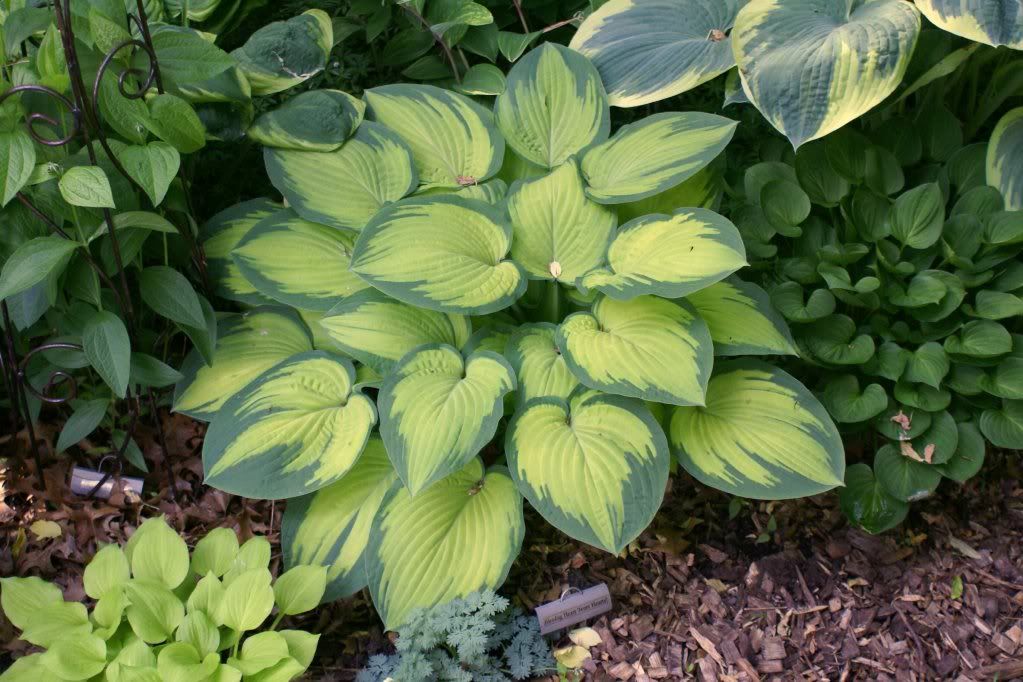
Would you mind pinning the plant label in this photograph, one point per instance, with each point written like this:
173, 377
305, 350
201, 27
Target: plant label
573, 607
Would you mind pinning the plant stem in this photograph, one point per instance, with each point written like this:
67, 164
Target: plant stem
277, 621
411, 11
552, 302
522, 17
184, 14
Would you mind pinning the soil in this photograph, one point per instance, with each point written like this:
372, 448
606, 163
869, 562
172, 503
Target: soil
714, 590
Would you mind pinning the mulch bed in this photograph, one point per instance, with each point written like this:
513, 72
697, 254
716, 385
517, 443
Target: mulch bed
768, 591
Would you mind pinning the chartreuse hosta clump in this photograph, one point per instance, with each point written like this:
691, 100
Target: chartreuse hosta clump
897, 262
158, 615
536, 317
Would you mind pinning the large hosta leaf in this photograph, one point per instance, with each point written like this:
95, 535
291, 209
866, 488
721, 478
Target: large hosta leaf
298, 263
220, 235
444, 253
670, 256
992, 22
646, 348
345, 187
653, 155
594, 466
1005, 158
285, 53
539, 366
247, 345
295, 429
317, 120
459, 536
438, 409
649, 50
812, 66
331, 526
559, 233
554, 106
742, 320
761, 435
378, 331
453, 140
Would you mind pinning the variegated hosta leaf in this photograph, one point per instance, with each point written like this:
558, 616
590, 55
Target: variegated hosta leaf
296, 428
285, 53
331, 526
742, 320
812, 66
761, 435
648, 348
247, 345
669, 256
559, 233
654, 155
1005, 158
220, 235
595, 466
378, 331
344, 188
454, 141
649, 50
298, 263
992, 22
438, 409
492, 191
703, 190
317, 120
554, 106
444, 253
539, 366
459, 536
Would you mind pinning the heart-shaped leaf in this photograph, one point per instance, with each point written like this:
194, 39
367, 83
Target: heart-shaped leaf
742, 320
539, 365
848, 405
317, 120
867, 503
220, 235
1004, 427
903, 477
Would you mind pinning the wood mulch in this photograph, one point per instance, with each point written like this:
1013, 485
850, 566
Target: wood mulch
712, 591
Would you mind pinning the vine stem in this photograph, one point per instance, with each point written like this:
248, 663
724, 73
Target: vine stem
522, 17
445, 48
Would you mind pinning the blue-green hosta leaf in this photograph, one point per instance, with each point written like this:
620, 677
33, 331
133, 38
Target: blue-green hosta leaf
220, 235
331, 526
554, 106
1003, 428
444, 253
247, 345
742, 320
559, 233
761, 435
653, 155
595, 465
992, 22
438, 410
848, 404
285, 53
1005, 159
378, 331
811, 67
867, 503
298, 263
317, 120
539, 366
669, 256
454, 140
648, 348
345, 187
294, 429
649, 50
459, 536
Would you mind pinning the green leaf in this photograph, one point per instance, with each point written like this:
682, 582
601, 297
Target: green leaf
154, 612
848, 405
650, 51
346, 187
1003, 428
742, 320
108, 349
316, 120
425, 551
17, 160
22, 599
866, 502
86, 186
453, 140
300, 589
206, 596
482, 79
512, 45
295, 428
76, 658
83, 421
186, 57
174, 121
834, 340
539, 366
904, 478
169, 294
153, 166
761, 435
331, 526
107, 571
283, 54
595, 466
199, 630
438, 410
918, 216
33, 262
148, 371
159, 555
653, 155
785, 205
247, 600
928, 364
26, 669
968, 458
180, 662
979, 339
1005, 160
670, 256
992, 22
811, 67
54, 621
788, 298
821, 182
554, 106
215, 553
259, 652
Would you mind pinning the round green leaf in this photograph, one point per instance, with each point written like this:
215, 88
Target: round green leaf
834, 340
159, 555
108, 570
904, 478
220, 235
153, 612
285, 53
866, 502
75, 658
1004, 428
980, 339
316, 120
247, 601
918, 216
215, 553
742, 320
969, 455
788, 298
992, 22
299, 589
1005, 158
761, 435
848, 405
539, 366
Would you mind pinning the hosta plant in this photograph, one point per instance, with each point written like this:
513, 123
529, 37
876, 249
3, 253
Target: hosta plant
158, 615
464, 304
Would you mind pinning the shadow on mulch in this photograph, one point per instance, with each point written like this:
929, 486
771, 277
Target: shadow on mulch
713, 590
